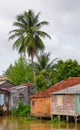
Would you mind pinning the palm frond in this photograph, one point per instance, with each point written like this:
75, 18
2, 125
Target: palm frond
17, 31
50, 64
43, 34
18, 42
36, 18
42, 24
39, 43
35, 29
15, 35
19, 24
29, 16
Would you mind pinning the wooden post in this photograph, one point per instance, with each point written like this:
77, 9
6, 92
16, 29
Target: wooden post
75, 119
59, 117
51, 117
67, 118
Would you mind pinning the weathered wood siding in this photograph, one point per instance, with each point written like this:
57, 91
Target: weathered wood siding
14, 98
4, 108
41, 107
11, 99
63, 104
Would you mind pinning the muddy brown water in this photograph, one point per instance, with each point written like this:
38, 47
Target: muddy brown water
11, 123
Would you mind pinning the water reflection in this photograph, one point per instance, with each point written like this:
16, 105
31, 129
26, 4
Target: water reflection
11, 123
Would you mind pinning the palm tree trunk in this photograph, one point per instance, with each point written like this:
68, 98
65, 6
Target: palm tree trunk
33, 70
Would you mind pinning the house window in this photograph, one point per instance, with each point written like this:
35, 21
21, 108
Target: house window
1, 99
21, 97
59, 100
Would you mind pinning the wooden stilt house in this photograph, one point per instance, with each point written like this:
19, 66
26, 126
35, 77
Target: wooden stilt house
41, 102
66, 102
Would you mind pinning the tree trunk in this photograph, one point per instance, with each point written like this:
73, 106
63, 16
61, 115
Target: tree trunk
34, 73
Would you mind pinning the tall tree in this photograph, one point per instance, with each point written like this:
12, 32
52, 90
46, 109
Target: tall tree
20, 72
44, 70
44, 63
68, 68
28, 34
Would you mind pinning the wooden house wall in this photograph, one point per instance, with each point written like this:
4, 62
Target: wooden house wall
6, 95
14, 98
11, 99
4, 108
63, 104
40, 107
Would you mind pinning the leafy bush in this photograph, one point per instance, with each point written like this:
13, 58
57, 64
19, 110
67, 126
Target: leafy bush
21, 111
13, 112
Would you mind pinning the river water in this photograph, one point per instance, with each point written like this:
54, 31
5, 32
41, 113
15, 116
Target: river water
11, 123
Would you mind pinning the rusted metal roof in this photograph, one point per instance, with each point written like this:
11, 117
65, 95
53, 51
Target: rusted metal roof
59, 86
70, 90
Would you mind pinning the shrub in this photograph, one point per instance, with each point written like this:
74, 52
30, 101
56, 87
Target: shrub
21, 111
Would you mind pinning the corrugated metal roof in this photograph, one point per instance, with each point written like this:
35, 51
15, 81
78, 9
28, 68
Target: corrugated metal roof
5, 84
2, 82
13, 89
59, 86
70, 90
28, 84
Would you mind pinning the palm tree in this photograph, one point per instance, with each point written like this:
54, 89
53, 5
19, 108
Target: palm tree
45, 69
27, 35
43, 62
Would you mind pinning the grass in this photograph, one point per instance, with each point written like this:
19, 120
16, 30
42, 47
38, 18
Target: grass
56, 120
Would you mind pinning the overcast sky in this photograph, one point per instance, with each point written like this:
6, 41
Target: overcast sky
64, 27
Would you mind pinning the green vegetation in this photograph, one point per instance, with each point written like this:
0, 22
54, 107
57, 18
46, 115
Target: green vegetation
65, 69
20, 72
56, 120
22, 111
44, 68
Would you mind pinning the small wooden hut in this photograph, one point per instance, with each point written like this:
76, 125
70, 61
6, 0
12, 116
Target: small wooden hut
4, 105
10, 95
41, 102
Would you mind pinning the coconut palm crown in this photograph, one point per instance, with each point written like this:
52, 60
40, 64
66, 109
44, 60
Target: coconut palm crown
43, 62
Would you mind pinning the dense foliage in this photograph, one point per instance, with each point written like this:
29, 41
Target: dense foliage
68, 68
20, 72
44, 68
